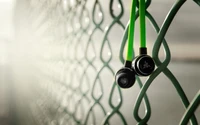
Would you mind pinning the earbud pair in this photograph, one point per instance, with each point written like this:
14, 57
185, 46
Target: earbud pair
142, 65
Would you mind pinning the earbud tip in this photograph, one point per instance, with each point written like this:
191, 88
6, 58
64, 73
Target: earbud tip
125, 78
144, 65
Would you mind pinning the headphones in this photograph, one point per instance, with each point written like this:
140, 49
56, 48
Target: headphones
142, 65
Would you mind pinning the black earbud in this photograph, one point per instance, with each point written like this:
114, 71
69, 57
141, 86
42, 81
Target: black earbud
125, 77
143, 64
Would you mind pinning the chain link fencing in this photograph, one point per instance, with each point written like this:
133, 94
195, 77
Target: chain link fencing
79, 45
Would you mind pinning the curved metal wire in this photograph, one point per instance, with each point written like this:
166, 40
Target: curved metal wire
191, 109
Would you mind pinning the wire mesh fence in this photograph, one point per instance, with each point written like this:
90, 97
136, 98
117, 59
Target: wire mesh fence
82, 44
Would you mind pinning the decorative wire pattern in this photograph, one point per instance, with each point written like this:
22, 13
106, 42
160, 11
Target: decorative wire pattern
71, 53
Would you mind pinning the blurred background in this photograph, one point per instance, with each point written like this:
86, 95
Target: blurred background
46, 67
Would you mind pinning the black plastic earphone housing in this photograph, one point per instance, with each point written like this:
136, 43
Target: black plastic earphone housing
125, 77
143, 65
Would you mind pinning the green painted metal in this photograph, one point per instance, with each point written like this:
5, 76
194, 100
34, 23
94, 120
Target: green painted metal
191, 109
82, 24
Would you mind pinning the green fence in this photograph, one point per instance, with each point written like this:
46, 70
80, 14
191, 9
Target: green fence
79, 61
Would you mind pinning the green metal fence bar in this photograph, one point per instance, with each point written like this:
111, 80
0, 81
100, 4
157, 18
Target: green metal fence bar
97, 8
116, 20
191, 109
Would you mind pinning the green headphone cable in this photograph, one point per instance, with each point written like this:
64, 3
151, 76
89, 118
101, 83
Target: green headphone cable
131, 32
132, 27
142, 24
